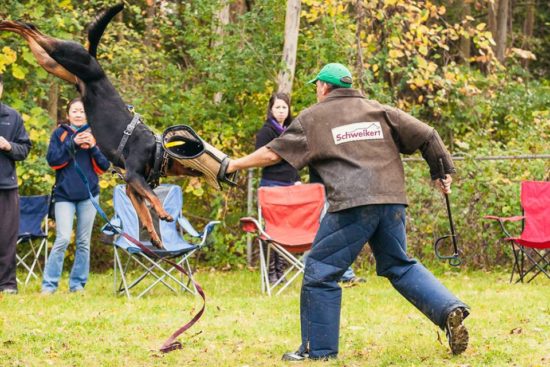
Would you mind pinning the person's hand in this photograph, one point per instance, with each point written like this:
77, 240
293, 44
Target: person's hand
230, 167
444, 185
85, 140
4, 144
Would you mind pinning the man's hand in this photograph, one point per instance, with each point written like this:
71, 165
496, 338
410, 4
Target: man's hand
444, 185
4, 144
230, 167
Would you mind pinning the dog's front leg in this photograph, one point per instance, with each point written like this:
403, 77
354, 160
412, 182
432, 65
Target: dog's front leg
143, 214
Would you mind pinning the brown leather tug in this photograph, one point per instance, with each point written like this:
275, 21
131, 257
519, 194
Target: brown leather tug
181, 142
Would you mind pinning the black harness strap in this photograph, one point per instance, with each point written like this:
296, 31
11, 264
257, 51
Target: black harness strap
159, 166
127, 133
161, 158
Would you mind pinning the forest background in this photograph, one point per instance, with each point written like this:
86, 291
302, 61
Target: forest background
476, 70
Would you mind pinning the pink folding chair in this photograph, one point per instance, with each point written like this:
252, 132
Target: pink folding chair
531, 249
288, 220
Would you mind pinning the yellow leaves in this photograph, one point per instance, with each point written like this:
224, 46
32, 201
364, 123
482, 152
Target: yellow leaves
7, 57
395, 54
394, 40
35, 135
423, 49
18, 72
481, 26
318, 9
65, 4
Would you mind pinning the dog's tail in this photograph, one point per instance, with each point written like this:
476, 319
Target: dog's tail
96, 29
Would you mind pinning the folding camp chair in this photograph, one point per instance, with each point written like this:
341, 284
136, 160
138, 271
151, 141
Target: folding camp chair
32, 240
177, 248
288, 220
531, 249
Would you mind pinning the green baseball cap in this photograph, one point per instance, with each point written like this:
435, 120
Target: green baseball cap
334, 73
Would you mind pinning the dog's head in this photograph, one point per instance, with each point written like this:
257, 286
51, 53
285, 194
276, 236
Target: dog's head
67, 60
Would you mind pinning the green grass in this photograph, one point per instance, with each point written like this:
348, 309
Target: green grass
509, 325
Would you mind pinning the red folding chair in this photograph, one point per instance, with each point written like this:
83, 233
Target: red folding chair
288, 220
531, 249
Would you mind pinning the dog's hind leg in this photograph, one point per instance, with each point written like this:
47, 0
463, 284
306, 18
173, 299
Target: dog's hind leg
144, 215
41, 46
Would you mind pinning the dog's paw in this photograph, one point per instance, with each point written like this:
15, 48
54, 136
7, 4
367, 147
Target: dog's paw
167, 218
157, 243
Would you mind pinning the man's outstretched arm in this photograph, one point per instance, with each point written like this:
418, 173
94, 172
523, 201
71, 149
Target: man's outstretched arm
262, 157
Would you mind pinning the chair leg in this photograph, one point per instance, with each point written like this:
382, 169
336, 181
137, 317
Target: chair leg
539, 263
122, 274
296, 265
263, 267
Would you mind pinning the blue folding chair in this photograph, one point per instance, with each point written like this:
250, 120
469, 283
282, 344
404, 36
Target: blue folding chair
32, 239
177, 248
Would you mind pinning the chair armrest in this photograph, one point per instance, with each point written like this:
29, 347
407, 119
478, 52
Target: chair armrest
251, 225
187, 227
206, 231
108, 227
501, 221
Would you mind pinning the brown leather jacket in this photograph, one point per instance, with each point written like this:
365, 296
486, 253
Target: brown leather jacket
354, 144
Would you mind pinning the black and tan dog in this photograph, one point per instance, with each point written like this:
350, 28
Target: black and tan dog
107, 114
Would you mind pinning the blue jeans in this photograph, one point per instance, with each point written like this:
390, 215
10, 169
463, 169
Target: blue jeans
340, 239
64, 214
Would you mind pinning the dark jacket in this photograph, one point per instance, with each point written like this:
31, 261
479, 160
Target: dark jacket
69, 185
13, 130
281, 171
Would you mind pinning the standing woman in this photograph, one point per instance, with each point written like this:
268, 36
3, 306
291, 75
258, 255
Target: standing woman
72, 197
281, 174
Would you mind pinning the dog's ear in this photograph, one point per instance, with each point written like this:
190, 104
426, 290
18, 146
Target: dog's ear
96, 29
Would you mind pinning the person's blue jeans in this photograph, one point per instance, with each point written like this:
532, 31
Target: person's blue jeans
64, 214
337, 244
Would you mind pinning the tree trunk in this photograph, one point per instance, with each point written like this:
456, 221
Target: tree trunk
120, 34
464, 47
502, 29
359, 28
149, 17
492, 7
292, 26
53, 97
223, 21
528, 28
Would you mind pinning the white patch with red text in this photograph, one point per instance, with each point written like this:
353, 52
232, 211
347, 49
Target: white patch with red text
357, 131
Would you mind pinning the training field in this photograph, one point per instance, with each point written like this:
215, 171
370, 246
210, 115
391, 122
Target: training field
509, 325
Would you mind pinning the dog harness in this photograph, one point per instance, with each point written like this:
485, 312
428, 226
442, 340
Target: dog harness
161, 158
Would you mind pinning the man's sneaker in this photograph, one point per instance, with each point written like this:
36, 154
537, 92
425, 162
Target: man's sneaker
295, 356
457, 334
